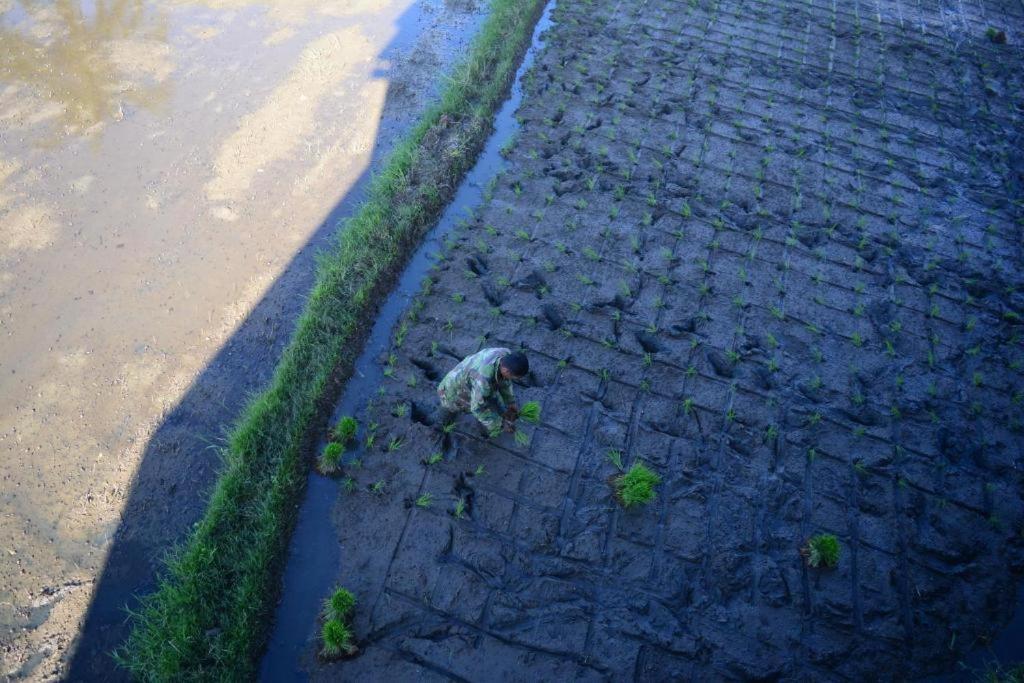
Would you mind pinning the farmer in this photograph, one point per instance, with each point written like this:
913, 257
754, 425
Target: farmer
480, 384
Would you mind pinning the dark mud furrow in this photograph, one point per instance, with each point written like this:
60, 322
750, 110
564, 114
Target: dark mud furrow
770, 250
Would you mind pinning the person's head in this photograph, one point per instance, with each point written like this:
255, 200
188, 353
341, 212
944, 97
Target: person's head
514, 365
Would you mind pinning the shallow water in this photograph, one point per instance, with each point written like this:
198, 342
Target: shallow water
163, 166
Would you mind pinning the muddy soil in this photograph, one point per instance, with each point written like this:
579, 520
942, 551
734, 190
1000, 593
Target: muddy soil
167, 172
773, 251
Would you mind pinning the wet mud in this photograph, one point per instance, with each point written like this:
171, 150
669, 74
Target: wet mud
773, 251
167, 173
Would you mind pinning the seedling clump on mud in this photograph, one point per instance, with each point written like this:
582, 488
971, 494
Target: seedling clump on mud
822, 551
340, 604
330, 459
636, 487
337, 630
345, 430
337, 637
530, 412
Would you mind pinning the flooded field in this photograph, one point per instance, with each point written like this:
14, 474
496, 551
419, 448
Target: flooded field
167, 172
770, 251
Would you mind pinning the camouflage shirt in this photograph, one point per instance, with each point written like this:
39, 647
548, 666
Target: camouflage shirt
476, 385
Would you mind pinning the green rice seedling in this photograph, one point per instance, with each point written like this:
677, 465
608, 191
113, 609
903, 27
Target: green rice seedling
395, 443
460, 509
522, 438
337, 639
348, 484
615, 457
340, 605
345, 430
425, 501
636, 487
821, 551
378, 487
530, 411
330, 459
435, 458
399, 410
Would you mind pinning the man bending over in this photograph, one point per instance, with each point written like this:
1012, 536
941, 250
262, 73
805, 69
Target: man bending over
481, 384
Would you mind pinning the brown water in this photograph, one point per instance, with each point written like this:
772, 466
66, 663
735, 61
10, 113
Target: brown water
161, 165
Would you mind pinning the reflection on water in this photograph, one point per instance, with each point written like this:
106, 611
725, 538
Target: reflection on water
80, 62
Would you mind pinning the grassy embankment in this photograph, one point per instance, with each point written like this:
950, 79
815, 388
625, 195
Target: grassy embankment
209, 617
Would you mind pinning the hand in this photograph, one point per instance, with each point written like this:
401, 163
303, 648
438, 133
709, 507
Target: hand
509, 425
512, 413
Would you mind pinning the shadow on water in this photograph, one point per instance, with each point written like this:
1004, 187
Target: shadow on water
314, 557
179, 465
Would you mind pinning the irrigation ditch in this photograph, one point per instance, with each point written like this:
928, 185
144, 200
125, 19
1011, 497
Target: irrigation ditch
314, 557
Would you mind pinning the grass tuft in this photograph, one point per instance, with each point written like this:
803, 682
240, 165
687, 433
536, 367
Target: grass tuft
636, 487
822, 551
209, 617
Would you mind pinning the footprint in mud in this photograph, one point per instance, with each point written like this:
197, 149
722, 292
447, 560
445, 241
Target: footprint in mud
428, 369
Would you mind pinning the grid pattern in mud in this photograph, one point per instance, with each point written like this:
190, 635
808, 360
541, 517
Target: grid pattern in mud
773, 250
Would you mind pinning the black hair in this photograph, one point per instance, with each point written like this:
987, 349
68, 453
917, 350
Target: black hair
516, 363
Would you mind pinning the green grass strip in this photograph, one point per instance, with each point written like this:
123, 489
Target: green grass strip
209, 617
